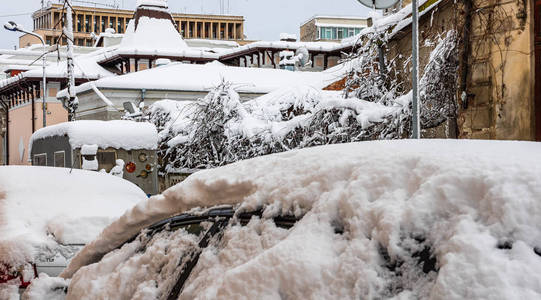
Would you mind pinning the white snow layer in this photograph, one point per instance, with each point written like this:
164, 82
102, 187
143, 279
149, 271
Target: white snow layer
190, 77
152, 35
45, 287
473, 204
127, 135
40, 207
160, 3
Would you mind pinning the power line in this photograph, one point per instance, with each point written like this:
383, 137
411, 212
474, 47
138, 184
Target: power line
15, 15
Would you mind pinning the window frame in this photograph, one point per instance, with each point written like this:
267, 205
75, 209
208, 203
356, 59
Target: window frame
64, 158
39, 155
100, 166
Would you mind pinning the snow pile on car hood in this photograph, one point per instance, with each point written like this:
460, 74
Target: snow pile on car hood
40, 207
414, 219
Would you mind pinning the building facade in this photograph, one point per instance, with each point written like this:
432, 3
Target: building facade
332, 28
88, 20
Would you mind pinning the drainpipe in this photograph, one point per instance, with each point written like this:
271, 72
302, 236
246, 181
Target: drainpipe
6, 138
465, 53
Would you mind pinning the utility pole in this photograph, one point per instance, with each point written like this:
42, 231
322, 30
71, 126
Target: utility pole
73, 102
416, 126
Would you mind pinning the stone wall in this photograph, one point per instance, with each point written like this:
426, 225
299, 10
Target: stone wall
309, 32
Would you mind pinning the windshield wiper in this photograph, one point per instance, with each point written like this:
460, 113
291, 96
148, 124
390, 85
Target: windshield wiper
193, 258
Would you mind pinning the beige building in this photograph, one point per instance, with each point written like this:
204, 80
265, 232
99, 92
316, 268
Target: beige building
332, 28
88, 20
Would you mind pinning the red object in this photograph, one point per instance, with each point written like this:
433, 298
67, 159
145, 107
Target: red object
5, 277
15, 72
130, 167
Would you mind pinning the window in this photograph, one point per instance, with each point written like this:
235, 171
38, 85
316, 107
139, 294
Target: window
120, 25
60, 159
351, 32
96, 24
103, 22
40, 159
106, 160
79, 23
341, 33
87, 23
112, 22
357, 30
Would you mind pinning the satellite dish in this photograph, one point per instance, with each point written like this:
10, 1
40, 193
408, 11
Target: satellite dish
130, 107
378, 4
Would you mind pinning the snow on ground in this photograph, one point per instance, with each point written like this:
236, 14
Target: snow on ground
45, 206
9, 291
45, 287
127, 135
438, 219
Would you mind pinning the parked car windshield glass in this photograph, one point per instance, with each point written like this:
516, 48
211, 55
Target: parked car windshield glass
150, 263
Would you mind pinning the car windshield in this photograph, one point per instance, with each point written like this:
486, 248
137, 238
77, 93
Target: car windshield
150, 262
158, 262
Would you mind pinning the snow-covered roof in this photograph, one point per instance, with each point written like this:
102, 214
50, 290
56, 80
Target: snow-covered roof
288, 36
159, 3
311, 46
334, 17
473, 204
41, 206
118, 134
194, 77
152, 36
86, 67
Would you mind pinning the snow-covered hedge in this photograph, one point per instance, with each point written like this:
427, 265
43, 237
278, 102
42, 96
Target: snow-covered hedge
219, 129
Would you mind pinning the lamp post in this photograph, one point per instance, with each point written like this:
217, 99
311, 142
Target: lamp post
12, 26
381, 4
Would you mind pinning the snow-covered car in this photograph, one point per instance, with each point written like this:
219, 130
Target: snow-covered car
427, 219
48, 214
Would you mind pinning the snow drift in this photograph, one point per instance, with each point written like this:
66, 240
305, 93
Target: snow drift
439, 219
41, 207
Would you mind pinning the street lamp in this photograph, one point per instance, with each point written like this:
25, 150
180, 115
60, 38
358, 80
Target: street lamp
12, 26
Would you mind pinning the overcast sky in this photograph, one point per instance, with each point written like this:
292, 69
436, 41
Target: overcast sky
265, 19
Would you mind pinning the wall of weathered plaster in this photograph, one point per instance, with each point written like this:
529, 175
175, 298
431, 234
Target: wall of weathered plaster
500, 66
501, 73
20, 128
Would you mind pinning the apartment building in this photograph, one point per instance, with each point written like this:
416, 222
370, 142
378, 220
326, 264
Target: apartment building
332, 28
89, 20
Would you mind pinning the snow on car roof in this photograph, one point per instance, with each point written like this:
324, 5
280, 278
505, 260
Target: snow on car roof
40, 206
119, 134
461, 198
